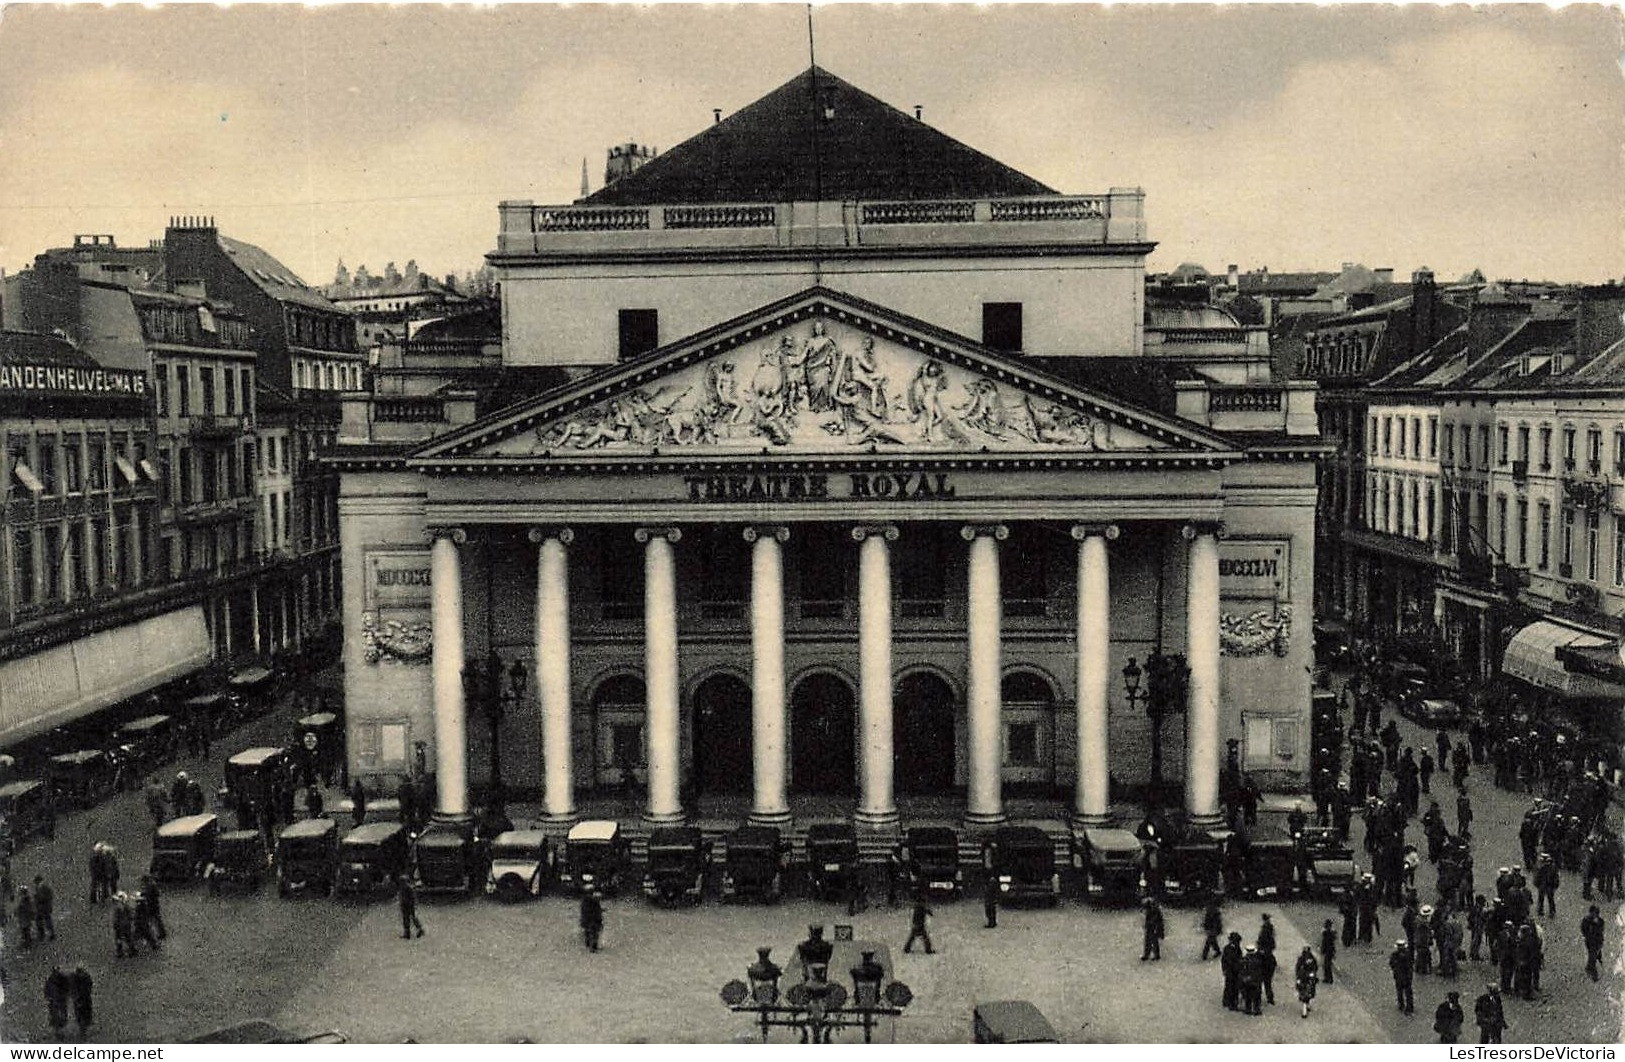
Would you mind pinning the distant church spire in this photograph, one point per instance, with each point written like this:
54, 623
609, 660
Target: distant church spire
584, 190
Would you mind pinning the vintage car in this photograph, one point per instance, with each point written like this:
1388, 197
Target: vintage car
1112, 863
1194, 866
1271, 868
1013, 1021
595, 857
1409, 682
447, 861
1326, 864
832, 860
928, 860
253, 684
254, 776
1433, 711
1022, 859
521, 865
307, 856
150, 740
679, 859
755, 864
84, 778
1334, 645
239, 859
372, 857
212, 710
182, 848
28, 809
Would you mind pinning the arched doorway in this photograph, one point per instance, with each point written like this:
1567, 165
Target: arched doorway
620, 756
923, 733
722, 735
823, 719
1028, 703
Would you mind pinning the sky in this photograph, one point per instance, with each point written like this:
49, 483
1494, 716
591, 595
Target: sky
1293, 138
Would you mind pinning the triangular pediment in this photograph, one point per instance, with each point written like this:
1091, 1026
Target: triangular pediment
821, 374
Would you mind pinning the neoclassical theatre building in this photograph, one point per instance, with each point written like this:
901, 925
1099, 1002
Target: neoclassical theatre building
823, 454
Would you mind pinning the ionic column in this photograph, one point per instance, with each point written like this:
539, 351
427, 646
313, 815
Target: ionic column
1202, 655
446, 661
660, 671
985, 798
877, 803
1092, 803
553, 670
769, 750
254, 601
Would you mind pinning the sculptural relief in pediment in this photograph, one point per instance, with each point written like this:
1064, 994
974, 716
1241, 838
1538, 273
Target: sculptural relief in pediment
823, 386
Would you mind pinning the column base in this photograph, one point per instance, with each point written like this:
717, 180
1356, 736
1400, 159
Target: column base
769, 818
560, 818
986, 818
664, 818
1205, 821
875, 820
1087, 819
461, 821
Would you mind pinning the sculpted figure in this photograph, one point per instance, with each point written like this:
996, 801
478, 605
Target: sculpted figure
722, 390
768, 386
820, 361
925, 398
860, 385
984, 411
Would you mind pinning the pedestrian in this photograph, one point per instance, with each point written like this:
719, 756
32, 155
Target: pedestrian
917, 927
81, 987
142, 918
110, 869
1266, 949
857, 890
1252, 979
1591, 930
1447, 1019
180, 793
1449, 938
1212, 926
1328, 949
1305, 976
8, 890
1547, 879
1425, 767
44, 910
990, 901
25, 916
1441, 744
56, 1000
358, 802
1403, 967
152, 903
1367, 899
1464, 816
1460, 761
1347, 908
313, 801
123, 926
1477, 921
1490, 1016
155, 803
1154, 929
1422, 944
1230, 967
592, 919
406, 796
408, 897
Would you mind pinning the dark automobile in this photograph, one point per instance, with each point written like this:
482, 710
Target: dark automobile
1194, 865
1326, 864
1022, 859
679, 859
1112, 862
1014, 1021
447, 861
183, 847
239, 859
372, 857
150, 740
84, 778
595, 857
1271, 868
307, 856
521, 864
1433, 712
1334, 647
1409, 682
28, 809
252, 686
755, 864
254, 776
928, 859
211, 710
832, 859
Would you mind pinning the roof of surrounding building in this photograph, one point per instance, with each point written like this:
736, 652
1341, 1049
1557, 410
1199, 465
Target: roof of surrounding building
400, 287
1159, 314
33, 348
1281, 283
485, 322
1137, 381
783, 148
271, 276
1501, 365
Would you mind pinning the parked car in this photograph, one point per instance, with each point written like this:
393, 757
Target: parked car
182, 848
755, 864
928, 860
832, 859
239, 859
521, 865
1326, 864
372, 857
28, 809
1271, 868
1334, 646
1433, 712
1194, 865
1022, 858
595, 856
84, 778
1113, 863
1014, 1021
307, 856
150, 740
253, 777
446, 861
213, 710
679, 859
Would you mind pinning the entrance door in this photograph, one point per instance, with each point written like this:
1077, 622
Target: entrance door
722, 736
923, 734
823, 719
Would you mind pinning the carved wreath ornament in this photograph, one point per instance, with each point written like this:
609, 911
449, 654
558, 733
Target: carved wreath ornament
397, 640
1266, 630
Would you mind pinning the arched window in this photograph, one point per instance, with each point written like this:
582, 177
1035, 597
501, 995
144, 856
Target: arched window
1029, 727
619, 704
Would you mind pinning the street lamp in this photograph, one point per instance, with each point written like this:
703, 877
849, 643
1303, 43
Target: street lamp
1166, 681
483, 687
817, 1006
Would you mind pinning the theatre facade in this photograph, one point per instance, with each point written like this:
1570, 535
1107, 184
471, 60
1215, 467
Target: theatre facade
766, 498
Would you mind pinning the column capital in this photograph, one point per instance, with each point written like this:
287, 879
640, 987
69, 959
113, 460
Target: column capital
457, 535
774, 531
888, 532
1202, 527
1109, 532
670, 534
539, 535
972, 532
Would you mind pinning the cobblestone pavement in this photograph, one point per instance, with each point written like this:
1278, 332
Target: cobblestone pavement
489, 972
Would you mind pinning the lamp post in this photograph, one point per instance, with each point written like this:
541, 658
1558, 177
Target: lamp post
484, 688
817, 1006
1166, 682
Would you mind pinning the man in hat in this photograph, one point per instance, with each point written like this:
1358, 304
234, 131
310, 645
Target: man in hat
1402, 966
407, 895
1252, 979
1448, 1018
1367, 900
1464, 816
1230, 967
990, 901
1212, 927
917, 926
1546, 881
1591, 931
1155, 927
1422, 941
592, 919
56, 1000
1478, 917
1266, 949
1328, 948
1490, 1015
81, 986
44, 910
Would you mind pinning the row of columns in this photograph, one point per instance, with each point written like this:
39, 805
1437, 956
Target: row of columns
769, 725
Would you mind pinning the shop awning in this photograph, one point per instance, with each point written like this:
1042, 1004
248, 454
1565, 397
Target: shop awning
1532, 655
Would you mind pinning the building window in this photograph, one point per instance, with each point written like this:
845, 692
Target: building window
1399, 443
1373, 435
1523, 532
1449, 444
1568, 449
1466, 447
98, 558
166, 470
1593, 534
163, 389
1433, 437
1523, 444
1484, 445
97, 465
1387, 436
1021, 745
1619, 452
1568, 540
183, 492
53, 563
1001, 326
1447, 521
1504, 438
1501, 526
1545, 448
639, 332
22, 566
1619, 550
73, 464
230, 389
183, 389
1545, 536
246, 379
1594, 450
47, 467
1416, 510
1427, 494
248, 468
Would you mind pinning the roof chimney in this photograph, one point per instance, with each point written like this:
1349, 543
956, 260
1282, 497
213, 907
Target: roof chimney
716, 115
918, 113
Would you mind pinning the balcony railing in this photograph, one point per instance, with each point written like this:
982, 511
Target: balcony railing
941, 212
215, 425
591, 219
1244, 399
409, 410
1520, 471
720, 216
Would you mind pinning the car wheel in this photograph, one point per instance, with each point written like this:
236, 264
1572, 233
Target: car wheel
510, 889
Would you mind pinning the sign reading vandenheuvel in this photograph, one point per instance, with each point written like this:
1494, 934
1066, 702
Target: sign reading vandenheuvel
70, 380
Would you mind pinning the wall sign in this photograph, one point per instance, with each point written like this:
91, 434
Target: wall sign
396, 594
71, 380
1255, 568
780, 487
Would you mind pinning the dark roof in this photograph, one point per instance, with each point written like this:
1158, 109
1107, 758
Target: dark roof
482, 323
1136, 381
516, 383
1282, 283
1607, 369
1498, 365
271, 276
34, 348
782, 149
